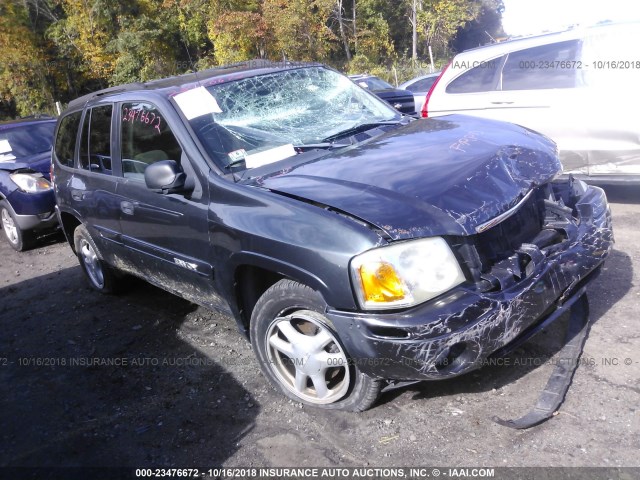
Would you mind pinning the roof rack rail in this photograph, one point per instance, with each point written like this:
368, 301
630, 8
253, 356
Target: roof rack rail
106, 91
191, 77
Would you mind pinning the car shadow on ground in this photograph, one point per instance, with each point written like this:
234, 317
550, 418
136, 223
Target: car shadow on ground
91, 380
602, 293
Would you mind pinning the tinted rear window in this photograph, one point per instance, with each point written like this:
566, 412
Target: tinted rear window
66, 139
422, 85
481, 78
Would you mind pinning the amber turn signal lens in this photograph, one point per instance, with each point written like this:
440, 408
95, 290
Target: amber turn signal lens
380, 283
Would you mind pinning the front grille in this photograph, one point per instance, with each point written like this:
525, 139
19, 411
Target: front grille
480, 252
501, 241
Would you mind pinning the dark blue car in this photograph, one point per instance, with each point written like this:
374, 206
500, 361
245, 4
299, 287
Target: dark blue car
27, 202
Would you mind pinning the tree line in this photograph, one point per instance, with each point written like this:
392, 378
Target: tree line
56, 50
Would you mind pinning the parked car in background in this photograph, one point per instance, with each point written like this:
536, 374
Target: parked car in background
420, 86
355, 246
401, 100
26, 197
579, 87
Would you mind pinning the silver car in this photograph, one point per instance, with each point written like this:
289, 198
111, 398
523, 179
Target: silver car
579, 87
420, 86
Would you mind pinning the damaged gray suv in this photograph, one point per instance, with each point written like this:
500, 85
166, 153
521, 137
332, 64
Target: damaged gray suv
354, 246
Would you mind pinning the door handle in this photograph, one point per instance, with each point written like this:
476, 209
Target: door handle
127, 208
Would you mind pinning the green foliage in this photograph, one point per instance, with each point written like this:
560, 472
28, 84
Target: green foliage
238, 36
60, 49
373, 35
397, 72
300, 30
24, 86
439, 20
487, 26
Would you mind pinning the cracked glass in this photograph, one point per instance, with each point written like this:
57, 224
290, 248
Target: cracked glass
296, 107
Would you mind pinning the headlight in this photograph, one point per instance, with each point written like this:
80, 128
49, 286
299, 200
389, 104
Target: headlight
405, 274
31, 182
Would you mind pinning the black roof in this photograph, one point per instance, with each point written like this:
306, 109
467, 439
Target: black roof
249, 68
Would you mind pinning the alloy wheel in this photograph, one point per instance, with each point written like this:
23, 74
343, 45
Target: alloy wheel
92, 263
307, 359
10, 228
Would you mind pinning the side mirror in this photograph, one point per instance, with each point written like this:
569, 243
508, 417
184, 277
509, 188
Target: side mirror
165, 177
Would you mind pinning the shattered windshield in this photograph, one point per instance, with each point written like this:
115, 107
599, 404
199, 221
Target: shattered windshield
259, 120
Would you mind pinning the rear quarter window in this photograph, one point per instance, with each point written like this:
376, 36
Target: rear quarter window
66, 138
422, 85
482, 76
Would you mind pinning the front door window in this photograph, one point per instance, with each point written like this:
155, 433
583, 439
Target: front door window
145, 138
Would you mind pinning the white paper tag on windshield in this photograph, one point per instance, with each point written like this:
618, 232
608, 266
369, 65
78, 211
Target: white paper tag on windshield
237, 155
5, 146
197, 102
272, 155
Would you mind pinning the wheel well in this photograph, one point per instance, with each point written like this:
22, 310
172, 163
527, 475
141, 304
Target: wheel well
69, 224
250, 283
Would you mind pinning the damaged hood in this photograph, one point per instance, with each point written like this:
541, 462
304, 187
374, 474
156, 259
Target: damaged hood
440, 176
39, 162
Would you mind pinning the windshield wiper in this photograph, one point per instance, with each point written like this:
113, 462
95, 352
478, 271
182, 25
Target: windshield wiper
360, 128
314, 146
234, 163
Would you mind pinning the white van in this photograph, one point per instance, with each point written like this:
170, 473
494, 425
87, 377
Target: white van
579, 87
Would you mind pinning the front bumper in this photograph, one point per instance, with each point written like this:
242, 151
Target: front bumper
34, 211
456, 333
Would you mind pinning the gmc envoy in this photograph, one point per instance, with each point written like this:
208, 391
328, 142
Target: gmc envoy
355, 247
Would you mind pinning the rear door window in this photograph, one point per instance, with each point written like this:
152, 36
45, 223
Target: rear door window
145, 138
66, 138
422, 85
547, 66
95, 143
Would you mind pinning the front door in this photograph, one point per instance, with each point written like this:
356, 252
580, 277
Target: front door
166, 235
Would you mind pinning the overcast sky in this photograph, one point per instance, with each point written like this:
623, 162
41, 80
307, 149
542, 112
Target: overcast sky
522, 17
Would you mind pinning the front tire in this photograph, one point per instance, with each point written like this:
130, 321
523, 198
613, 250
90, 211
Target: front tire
101, 276
19, 240
301, 354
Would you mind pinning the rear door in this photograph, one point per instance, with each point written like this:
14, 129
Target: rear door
93, 185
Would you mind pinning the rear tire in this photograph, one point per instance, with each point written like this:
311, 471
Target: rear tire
101, 276
19, 240
300, 352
